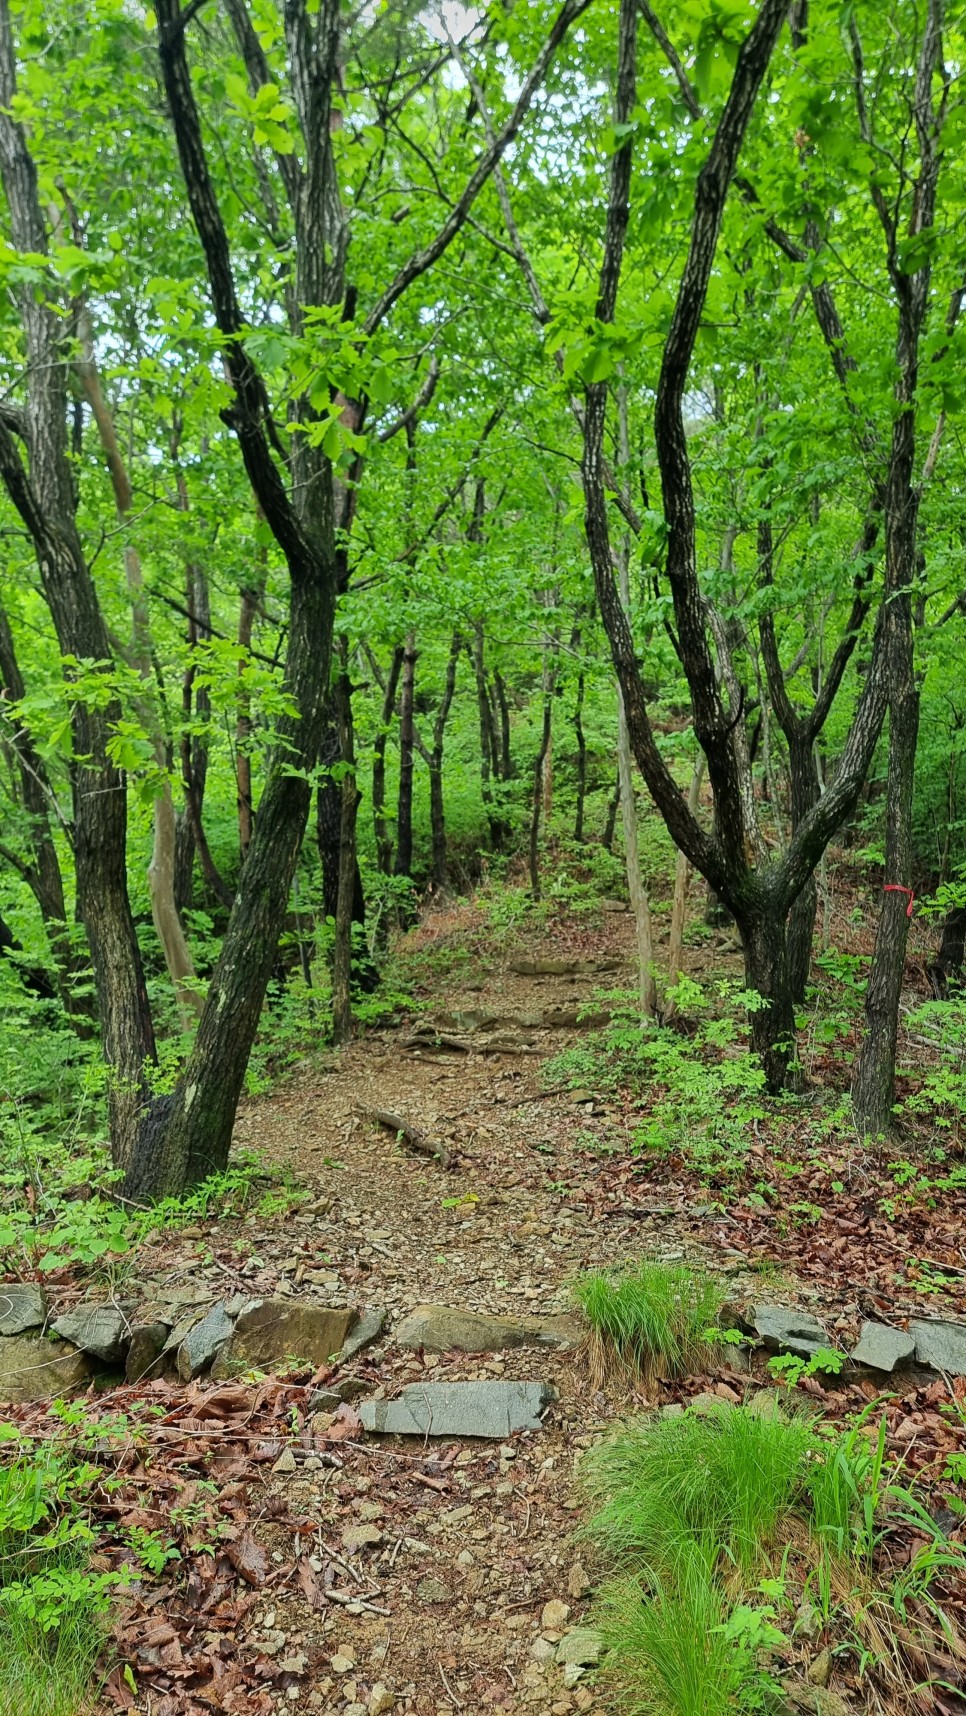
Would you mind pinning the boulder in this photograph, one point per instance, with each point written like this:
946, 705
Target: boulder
785, 1331
101, 1330
443, 1329
490, 1409
941, 1346
22, 1306
881, 1347
203, 1343
35, 1368
280, 1331
367, 1329
147, 1344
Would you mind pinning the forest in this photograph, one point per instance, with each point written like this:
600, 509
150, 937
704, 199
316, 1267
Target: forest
483, 764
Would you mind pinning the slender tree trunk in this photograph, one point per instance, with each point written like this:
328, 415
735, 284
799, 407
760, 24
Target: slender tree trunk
437, 815
543, 752
682, 878
348, 868
873, 1089
381, 822
610, 821
489, 752
640, 905
404, 813
581, 759
503, 705
247, 606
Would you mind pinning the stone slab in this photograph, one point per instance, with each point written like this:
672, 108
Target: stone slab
785, 1330
881, 1347
941, 1346
487, 1409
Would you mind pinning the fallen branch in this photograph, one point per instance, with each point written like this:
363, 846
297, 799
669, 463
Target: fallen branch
405, 1129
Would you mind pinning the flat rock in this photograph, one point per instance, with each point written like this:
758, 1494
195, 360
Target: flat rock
546, 967
882, 1347
786, 1331
580, 1647
443, 1329
35, 1368
367, 1329
490, 1409
203, 1343
22, 1306
942, 1346
280, 1331
101, 1330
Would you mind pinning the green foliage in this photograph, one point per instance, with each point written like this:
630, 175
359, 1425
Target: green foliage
52, 1605
791, 1367
701, 1090
657, 1320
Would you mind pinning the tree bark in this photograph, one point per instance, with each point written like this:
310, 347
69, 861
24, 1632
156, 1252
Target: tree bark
581, 755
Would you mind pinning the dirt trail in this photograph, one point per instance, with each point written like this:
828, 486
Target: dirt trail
471, 1541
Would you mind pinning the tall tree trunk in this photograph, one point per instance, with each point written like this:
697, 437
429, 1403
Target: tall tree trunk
503, 705
247, 606
404, 811
437, 815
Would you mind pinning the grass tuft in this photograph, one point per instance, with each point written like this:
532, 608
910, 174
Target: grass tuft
721, 1481
653, 1321
668, 1650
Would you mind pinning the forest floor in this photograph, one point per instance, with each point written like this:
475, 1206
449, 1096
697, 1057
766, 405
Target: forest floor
386, 1575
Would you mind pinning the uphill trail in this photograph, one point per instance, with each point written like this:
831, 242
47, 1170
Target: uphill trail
465, 1555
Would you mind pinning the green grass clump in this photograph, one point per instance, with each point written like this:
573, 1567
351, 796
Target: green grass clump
722, 1482
654, 1320
668, 1648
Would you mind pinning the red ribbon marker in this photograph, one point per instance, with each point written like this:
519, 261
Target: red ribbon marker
897, 888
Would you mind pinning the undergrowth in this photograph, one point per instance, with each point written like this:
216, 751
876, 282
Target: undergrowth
723, 1526
53, 1603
